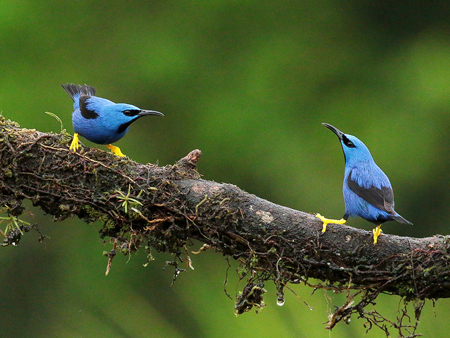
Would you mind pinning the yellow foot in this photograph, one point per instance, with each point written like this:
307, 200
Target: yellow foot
326, 221
115, 150
376, 232
74, 145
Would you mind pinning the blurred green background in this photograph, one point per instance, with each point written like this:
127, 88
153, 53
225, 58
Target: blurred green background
248, 83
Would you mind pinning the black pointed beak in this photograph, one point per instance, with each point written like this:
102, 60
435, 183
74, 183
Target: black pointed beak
149, 112
338, 133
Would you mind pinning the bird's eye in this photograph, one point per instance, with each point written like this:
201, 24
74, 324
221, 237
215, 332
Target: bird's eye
347, 142
130, 112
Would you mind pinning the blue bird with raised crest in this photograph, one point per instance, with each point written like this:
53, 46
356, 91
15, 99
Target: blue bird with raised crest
367, 190
100, 120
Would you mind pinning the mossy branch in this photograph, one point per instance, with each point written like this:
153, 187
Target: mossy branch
146, 206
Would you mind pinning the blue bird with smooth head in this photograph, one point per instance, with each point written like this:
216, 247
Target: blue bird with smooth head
100, 120
367, 190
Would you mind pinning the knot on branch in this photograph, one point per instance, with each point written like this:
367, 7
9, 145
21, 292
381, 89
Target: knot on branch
190, 160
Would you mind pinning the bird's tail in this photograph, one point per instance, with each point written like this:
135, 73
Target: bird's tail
73, 89
400, 219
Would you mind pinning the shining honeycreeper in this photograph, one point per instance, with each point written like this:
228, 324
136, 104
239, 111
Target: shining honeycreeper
367, 190
100, 120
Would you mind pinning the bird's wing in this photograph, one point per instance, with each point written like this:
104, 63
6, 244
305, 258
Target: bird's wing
382, 198
85, 112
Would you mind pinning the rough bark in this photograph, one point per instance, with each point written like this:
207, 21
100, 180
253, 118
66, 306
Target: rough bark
164, 207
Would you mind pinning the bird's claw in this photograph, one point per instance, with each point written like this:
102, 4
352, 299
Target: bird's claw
115, 150
376, 232
74, 145
327, 221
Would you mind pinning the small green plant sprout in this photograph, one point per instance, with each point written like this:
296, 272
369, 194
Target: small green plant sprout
201, 202
13, 223
127, 201
57, 118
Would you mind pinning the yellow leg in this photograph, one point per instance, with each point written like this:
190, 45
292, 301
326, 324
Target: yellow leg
326, 221
74, 145
376, 232
115, 150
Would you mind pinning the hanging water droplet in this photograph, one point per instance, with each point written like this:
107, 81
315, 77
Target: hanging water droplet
280, 296
280, 301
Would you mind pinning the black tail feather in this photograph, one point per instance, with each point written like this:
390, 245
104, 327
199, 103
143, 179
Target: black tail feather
73, 89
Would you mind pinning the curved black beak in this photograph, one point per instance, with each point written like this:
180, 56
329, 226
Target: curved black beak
338, 133
150, 112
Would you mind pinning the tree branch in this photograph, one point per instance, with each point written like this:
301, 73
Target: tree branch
164, 207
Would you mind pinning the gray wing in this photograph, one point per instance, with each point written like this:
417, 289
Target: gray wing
382, 199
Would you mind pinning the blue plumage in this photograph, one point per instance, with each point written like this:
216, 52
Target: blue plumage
100, 120
366, 188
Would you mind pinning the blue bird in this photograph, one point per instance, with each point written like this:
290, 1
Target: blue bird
100, 120
367, 190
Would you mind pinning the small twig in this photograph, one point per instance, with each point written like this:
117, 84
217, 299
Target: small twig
111, 256
188, 258
203, 248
